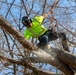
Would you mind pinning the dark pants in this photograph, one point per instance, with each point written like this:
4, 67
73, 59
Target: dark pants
52, 35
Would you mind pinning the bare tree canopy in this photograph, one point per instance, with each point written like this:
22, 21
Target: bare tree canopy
19, 54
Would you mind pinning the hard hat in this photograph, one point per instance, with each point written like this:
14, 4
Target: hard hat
26, 19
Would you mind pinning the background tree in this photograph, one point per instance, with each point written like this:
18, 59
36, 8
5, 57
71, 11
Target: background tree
64, 13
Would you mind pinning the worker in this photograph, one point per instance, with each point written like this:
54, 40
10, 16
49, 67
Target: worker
35, 29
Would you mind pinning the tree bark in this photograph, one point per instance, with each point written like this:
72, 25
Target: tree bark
60, 59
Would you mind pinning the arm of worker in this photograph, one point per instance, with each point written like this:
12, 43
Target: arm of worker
40, 19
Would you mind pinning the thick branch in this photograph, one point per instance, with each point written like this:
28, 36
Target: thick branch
68, 58
25, 63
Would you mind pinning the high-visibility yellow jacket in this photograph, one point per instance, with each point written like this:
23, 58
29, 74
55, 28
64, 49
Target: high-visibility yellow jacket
37, 28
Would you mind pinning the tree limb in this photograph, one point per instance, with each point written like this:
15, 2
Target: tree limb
25, 64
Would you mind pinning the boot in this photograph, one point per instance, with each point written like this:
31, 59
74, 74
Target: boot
65, 45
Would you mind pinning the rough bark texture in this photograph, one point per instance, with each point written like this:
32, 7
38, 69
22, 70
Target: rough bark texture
62, 60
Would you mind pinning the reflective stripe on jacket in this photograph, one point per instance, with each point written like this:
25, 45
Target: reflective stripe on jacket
37, 28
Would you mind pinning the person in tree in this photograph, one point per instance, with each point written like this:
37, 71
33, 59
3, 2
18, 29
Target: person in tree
35, 29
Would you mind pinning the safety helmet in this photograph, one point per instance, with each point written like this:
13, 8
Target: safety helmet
26, 19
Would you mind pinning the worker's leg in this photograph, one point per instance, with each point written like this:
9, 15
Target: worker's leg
52, 35
43, 42
64, 41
